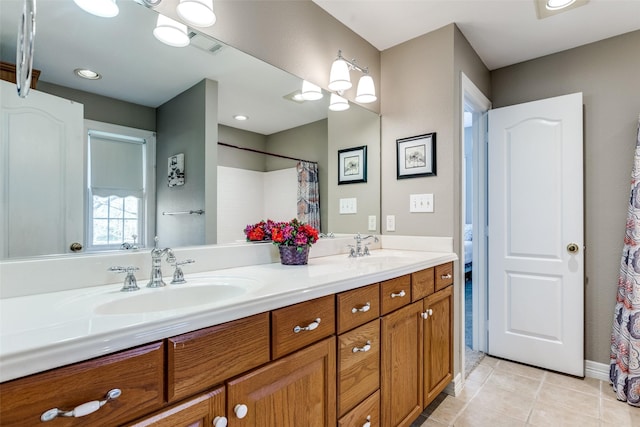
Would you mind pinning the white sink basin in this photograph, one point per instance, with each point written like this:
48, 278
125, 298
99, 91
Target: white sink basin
172, 297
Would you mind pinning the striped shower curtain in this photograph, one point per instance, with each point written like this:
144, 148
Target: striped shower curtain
308, 194
624, 372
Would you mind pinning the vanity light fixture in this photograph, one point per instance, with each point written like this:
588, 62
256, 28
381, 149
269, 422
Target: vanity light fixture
87, 74
171, 32
198, 13
102, 8
340, 80
338, 103
310, 92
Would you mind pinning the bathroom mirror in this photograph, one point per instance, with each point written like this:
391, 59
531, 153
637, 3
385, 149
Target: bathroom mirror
146, 74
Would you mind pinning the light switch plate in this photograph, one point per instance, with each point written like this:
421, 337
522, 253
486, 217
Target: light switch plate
421, 202
348, 206
372, 223
391, 223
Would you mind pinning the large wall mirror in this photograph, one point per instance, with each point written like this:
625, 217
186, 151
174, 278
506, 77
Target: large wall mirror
180, 103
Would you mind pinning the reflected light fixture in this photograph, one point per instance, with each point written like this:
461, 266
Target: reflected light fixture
340, 80
198, 13
241, 117
85, 73
338, 103
171, 32
558, 4
310, 92
102, 8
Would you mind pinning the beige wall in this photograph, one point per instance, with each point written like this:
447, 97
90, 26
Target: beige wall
606, 73
234, 158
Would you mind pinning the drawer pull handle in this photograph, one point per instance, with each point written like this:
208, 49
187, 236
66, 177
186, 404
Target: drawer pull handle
368, 422
446, 276
81, 410
399, 294
364, 348
426, 314
313, 325
362, 309
220, 422
241, 410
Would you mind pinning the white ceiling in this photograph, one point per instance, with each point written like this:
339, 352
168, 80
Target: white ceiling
502, 32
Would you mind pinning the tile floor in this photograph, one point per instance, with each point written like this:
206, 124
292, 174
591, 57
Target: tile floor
502, 393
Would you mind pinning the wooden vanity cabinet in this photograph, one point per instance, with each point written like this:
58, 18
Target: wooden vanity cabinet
366, 412
138, 373
293, 391
199, 411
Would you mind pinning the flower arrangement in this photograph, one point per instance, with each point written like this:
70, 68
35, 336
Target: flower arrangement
290, 233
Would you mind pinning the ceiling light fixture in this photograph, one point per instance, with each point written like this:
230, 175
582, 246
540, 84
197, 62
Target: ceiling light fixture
340, 80
241, 117
87, 74
310, 92
558, 4
171, 32
102, 8
198, 13
338, 103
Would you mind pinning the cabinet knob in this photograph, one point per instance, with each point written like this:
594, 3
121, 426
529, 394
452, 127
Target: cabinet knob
399, 294
220, 421
310, 327
81, 410
368, 422
362, 309
446, 276
364, 348
427, 313
241, 410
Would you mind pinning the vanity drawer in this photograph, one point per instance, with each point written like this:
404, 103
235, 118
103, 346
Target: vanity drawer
358, 365
138, 373
395, 293
357, 307
367, 411
422, 284
288, 324
198, 360
444, 275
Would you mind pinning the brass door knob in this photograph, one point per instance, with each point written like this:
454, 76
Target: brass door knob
75, 247
573, 248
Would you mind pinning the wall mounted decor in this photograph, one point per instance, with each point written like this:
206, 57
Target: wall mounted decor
416, 156
352, 165
175, 175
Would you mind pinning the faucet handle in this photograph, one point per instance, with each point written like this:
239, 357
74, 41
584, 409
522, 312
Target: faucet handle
130, 283
178, 275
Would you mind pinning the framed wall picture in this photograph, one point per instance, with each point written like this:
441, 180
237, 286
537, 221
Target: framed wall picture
175, 174
352, 165
416, 156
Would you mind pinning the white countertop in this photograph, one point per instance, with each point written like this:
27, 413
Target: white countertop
48, 330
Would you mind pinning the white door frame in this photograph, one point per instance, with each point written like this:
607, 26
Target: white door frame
474, 100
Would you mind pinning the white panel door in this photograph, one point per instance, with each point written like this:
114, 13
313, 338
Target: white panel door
41, 174
536, 276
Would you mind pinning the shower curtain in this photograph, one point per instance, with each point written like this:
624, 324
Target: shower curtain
624, 372
308, 194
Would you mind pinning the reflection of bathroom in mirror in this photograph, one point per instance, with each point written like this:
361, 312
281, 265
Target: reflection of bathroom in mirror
186, 98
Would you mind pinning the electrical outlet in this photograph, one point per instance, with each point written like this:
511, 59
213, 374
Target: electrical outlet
391, 223
372, 223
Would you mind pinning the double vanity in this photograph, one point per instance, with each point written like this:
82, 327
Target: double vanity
365, 341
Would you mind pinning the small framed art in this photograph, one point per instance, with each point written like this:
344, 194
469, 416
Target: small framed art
416, 156
352, 165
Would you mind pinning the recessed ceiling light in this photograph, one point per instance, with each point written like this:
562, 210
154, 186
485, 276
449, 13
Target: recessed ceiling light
241, 117
558, 4
87, 74
102, 8
547, 8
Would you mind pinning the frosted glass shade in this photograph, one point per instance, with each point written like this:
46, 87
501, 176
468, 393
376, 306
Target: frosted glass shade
198, 13
171, 32
311, 92
338, 103
102, 8
339, 76
366, 90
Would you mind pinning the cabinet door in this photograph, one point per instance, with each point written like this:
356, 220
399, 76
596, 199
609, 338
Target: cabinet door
438, 343
199, 411
297, 390
401, 366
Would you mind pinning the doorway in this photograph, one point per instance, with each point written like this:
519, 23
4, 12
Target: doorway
473, 247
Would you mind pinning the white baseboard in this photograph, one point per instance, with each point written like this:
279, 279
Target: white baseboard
597, 370
454, 388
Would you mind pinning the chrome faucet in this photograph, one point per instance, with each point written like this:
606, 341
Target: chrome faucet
358, 250
156, 265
